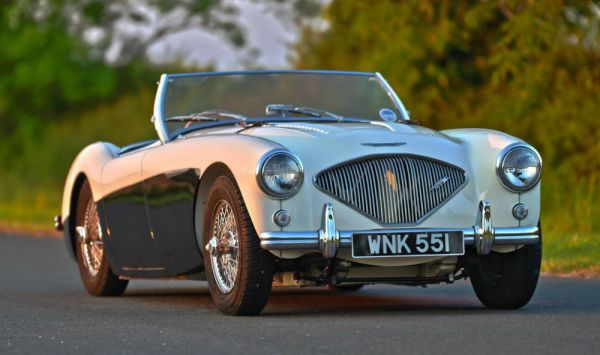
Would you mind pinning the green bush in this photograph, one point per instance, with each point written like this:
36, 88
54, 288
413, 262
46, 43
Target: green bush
31, 191
527, 68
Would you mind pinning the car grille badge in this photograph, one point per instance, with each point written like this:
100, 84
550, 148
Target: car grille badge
439, 183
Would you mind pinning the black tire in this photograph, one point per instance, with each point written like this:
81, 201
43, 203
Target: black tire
346, 288
506, 280
254, 277
104, 282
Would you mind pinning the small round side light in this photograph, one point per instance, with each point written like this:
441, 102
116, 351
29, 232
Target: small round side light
520, 211
282, 218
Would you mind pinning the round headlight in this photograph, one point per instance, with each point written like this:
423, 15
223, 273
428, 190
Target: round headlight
280, 174
519, 168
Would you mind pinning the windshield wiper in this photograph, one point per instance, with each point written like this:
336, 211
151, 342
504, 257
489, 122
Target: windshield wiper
273, 109
205, 116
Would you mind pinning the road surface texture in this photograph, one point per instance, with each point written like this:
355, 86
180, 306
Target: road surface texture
44, 309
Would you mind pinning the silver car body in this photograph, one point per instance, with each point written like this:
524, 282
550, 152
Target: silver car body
320, 146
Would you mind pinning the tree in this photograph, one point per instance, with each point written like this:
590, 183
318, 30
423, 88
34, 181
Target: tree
44, 70
529, 68
68, 55
58, 54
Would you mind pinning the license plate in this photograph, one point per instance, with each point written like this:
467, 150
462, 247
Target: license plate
376, 245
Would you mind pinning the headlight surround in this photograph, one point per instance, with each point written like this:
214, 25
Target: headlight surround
519, 167
280, 174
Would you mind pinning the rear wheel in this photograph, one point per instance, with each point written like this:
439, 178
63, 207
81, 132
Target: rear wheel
94, 269
239, 272
506, 280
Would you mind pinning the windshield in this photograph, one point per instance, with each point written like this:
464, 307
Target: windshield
201, 98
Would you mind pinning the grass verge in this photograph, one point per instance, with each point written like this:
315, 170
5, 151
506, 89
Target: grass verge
571, 253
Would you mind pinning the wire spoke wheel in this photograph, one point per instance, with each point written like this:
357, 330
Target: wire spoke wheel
92, 258
223, 247
238, 271
90, 240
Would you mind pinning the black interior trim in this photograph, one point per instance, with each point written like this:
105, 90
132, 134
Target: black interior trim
134, 146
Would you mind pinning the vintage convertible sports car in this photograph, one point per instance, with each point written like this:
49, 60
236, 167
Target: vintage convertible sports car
301, 178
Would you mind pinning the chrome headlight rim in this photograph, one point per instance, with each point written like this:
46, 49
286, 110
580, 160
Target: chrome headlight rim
260, 173
500, 162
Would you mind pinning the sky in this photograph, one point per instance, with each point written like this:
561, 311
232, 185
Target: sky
264, 31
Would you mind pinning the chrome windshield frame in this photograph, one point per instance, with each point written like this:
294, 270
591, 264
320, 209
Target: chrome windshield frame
159, 118
253, 72
393, 96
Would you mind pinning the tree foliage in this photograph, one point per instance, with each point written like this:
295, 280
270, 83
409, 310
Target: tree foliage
62, 55
45, 72
76, 71
530, 68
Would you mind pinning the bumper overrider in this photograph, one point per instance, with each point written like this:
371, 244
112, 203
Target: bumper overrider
328, 239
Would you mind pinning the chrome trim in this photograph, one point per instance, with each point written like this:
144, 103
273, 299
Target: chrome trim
392, 144
58, 225
484, 232
500, 160
259, 173
309, 240
374, 200
329, 236
158, 117
305, 240
326, 239
393, 96
244, 72
82, 233
508, 235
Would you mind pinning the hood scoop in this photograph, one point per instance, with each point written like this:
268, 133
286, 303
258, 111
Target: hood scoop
384, 144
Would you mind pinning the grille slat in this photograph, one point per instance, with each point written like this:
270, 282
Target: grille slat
393, 189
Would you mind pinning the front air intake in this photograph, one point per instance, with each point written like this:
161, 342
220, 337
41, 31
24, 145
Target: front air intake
393, 189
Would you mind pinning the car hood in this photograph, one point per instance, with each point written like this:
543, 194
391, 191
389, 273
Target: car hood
325, 144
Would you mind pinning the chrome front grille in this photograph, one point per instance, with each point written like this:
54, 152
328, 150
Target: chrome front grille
393, 189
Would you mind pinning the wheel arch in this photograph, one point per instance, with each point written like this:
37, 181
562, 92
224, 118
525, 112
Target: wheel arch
69, 223
87, 166
207, 179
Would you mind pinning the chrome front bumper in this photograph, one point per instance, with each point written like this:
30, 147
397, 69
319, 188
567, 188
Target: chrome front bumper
328, 239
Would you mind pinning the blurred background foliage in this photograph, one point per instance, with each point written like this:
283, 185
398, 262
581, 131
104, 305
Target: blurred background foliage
77, 71
529, 68
68, 77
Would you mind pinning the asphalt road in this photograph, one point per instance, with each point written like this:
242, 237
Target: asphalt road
44, 309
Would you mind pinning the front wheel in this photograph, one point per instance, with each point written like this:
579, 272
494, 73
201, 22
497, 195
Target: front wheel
239, 272
506, 280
